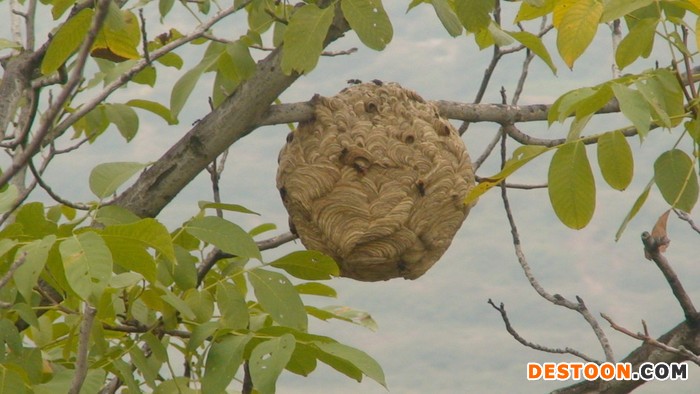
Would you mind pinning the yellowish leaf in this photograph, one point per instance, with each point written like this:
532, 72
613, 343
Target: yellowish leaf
577, 27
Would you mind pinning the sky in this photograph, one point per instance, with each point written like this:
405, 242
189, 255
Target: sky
437, 333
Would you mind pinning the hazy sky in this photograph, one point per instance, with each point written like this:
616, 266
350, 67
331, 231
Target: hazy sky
437, 334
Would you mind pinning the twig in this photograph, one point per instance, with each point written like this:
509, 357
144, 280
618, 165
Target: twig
652, 251
11, 271
216, 254
555, 299
50, 191
81, 362
616, 39
140, 65
646, 338
501, 308
144, 37
685, 217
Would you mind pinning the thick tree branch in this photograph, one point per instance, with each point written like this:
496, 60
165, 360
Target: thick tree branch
681, 336
496, 113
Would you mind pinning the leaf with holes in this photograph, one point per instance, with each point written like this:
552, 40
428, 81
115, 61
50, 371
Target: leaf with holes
267, 361
370, 21
278, 297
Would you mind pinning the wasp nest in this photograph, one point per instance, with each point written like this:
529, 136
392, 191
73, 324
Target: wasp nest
376, 180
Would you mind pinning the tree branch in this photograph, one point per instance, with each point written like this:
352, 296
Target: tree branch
235, 118
652, 249
81, 362
501, 308
52, 112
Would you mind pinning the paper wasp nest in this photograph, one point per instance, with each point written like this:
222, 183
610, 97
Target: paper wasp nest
377, 181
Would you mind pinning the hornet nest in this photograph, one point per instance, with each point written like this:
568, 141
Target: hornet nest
377, 180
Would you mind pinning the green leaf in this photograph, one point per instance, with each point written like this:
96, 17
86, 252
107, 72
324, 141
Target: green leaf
8, 198
521, 156
571, 185
67, 39
179, 304
111, 214
223, 360
577, 29
615, 9
317, 289
638, 42
303, 360
27, 274
164, 7
568, 104
369, 20
361, 318
356, 358
129, 245
278, 297
529, 11
225, 207
11, 380
634, 107
474, 14
448, 17
87, 263
105, 178
675, 176
232, 305
225, 235
199, 334
303, 38
615, 160
267, 361
534, 43
125, 118
119, 36
184, 86
201, 303
634, 210
155, 108
308, 264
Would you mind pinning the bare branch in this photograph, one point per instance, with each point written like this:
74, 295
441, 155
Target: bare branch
555, 299
51, 193
11, 271
501, 308
685, 217
81, 362
681, 351
652, 249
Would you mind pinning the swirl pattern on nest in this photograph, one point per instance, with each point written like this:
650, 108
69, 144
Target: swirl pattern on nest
377, 181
